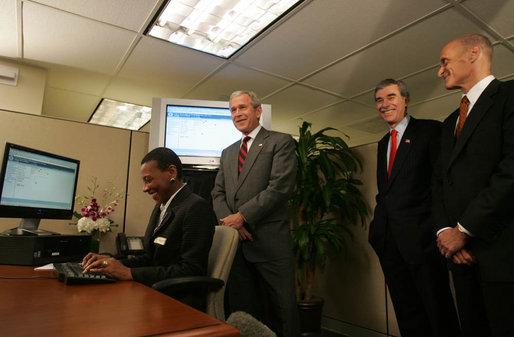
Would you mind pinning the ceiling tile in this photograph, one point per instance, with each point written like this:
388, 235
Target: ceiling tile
398, 56
142, 91
8, 29
344, 117
62, 77
503, 61
427, 85
233, 77
422, 86
437, 109
324, 31
339, 115
175, 66
129, 14
58, 37
291, 105
499, 14
374, 126
69, 105
358, 137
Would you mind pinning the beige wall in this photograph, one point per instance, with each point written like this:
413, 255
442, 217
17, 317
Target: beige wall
139, 204
352, 283
27, 95
103, 152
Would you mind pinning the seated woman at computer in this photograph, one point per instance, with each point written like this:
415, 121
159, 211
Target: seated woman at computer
179, 234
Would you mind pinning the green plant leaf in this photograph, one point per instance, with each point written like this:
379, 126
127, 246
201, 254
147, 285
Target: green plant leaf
324, 185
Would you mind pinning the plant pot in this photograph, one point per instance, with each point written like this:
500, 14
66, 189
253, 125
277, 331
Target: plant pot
310, 316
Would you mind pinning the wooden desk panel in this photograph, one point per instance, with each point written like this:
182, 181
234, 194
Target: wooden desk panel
47, 307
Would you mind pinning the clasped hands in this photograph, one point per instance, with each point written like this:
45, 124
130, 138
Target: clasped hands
237, 221
451, 243
96, 263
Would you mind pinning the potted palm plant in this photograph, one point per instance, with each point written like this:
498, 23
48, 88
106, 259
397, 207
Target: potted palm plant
325, 200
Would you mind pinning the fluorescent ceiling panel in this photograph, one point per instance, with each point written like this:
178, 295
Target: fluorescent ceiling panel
121, 115
219, 27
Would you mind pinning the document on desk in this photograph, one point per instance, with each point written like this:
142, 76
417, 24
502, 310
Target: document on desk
49, 266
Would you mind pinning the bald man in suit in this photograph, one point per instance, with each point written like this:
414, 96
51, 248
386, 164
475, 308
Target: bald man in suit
252, 198
474, 188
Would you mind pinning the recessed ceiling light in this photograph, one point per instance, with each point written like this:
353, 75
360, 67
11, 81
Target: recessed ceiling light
121, 114
219, 27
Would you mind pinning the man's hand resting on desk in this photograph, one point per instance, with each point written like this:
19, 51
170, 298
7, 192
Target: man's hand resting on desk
109, 266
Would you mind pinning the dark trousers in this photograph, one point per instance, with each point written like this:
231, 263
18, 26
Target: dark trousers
420, 294
245, 287
485, 308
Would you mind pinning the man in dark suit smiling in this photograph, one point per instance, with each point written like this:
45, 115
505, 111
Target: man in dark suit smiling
402, 232
474, 188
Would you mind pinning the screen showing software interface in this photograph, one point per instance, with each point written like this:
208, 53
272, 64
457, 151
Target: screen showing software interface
199, 131
34, 180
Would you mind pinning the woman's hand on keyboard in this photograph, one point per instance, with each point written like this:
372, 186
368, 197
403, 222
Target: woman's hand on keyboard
109, 266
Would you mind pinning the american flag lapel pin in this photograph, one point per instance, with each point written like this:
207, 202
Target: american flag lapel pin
407, 141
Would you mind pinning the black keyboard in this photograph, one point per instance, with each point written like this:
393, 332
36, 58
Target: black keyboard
71, 273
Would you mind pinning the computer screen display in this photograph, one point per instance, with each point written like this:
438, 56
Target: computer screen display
36, 184
199, 131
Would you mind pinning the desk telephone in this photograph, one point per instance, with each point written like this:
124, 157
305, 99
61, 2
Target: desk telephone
129, 245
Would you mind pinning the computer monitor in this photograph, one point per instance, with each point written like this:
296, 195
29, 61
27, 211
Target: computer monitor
36, 185
197, 130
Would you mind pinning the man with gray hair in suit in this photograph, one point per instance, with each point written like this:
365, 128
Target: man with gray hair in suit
251, 190
402, 232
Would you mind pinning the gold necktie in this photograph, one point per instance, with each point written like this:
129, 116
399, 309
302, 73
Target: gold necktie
463, 113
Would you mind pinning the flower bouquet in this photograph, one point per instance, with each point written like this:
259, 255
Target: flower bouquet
93, 217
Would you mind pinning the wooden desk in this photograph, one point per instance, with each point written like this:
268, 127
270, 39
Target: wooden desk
47, 307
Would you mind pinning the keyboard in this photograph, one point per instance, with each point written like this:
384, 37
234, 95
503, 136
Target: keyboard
71, 273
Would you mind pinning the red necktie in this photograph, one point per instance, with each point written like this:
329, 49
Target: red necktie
392, 154
463, 113
242, 154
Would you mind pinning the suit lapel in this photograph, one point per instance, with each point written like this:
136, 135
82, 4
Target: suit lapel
253, 153
231, 162
404, 148
167, 218
475, 116
170, 212
154, 218
382, 161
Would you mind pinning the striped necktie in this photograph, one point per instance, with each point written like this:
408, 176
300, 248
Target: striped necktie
242, 154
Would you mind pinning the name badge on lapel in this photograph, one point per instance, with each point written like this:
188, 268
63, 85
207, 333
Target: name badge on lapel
160, 240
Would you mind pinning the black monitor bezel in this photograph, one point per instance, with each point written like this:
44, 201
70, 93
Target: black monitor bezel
7, 211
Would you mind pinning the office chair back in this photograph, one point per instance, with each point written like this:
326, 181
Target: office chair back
221, 256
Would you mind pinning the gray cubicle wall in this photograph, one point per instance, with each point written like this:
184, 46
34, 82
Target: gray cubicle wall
103, 152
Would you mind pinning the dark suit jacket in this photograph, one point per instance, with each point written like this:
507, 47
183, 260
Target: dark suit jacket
187, 230
260, 194
404, 201
474, 184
